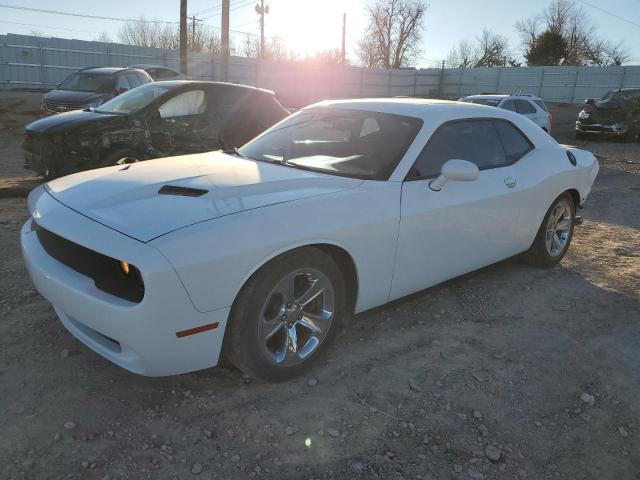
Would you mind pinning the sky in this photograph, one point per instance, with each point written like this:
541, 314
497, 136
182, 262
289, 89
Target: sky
310, 26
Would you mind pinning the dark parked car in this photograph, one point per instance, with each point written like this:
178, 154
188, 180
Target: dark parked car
91, 87
616, 114
158, 119
160, 72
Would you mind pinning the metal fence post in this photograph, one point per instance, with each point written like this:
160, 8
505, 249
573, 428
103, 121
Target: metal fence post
389, 84
415, 82
361, 81
624, 73
109, 56
42, 74
541, 83
498, 79
575, 85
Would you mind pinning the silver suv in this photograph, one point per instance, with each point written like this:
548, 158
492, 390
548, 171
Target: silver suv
525, 104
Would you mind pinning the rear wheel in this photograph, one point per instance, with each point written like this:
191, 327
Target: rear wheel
554, 235
286, 315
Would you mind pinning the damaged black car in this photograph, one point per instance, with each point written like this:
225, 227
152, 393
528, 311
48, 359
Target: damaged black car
616, 114
158, 119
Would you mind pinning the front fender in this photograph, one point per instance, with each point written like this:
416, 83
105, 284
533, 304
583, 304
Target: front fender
214, 259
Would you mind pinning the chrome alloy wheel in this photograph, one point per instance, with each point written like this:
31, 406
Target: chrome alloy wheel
296, 316
559, 228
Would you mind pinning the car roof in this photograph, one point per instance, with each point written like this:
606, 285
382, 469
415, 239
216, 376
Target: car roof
413, 107
147, 65
103, 70
204, 83
502, 95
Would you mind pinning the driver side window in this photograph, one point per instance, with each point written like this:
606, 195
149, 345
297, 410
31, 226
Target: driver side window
192, 102
122, 82
474, 140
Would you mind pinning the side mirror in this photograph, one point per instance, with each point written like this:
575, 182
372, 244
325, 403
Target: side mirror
455, 170
590, 101
120, 90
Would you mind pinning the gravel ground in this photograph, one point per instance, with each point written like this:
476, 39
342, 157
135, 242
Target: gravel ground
511, 372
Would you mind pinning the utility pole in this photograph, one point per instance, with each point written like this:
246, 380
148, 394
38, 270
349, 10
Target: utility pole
225, 40
183, 37
261, 10
193, 30
344, 34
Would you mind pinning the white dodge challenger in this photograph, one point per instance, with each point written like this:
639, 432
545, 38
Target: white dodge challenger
260, 253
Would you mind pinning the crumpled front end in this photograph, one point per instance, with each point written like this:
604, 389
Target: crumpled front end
55, 154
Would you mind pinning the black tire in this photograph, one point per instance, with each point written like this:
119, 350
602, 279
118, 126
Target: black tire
242, 345
538, 254
113, 157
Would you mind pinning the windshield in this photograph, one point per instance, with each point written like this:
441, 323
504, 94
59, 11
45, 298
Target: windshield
492, 102
133, 100
88, 82
338, 141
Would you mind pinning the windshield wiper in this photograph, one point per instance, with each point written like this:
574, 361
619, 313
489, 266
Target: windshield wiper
234, 151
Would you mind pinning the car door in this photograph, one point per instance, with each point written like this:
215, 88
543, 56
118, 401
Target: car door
177, 124
465, 225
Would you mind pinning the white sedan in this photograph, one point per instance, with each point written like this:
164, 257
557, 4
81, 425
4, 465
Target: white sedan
261, 253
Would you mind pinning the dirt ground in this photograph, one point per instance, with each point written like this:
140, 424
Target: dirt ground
511, 372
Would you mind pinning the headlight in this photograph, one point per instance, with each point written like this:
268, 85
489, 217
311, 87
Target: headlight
124, 268
583, 115
131, 271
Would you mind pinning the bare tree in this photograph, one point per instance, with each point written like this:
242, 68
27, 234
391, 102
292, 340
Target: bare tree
492, 49
149, 34
461, 56
36, 33
367, 53
489, 50
331, 56
581, 43
250, 46
104, 37
394, 33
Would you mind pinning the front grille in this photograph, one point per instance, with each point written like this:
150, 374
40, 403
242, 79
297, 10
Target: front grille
34, 142
103, 270
59, 107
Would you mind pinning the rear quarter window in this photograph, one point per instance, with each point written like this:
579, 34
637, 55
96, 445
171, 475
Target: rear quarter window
524, 107
541, 104
515, 144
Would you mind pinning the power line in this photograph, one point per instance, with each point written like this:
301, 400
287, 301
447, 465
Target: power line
71, 14
610, 13
98, 17
217, 10
47, 27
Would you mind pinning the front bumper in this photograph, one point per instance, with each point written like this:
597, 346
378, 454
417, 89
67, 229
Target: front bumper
601, 129
147, 338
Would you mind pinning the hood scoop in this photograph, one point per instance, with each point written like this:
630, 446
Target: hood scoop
182, 191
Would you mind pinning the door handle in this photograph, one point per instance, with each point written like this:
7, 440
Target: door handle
511, 182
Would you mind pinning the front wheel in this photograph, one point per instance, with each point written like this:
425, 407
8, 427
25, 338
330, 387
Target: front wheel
286, 315
554, 235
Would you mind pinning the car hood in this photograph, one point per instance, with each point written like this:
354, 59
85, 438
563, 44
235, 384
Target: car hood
74, 96
127, 199
63, 121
